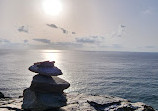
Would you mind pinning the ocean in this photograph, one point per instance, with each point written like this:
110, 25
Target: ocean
130, 75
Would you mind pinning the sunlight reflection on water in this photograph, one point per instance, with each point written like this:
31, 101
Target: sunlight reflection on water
56, 55
51, 55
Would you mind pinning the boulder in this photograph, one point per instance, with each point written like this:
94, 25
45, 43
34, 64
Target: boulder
47, 71
42, 101
45, 64
48, 84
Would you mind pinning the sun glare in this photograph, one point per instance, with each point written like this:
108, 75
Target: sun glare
51, 55
52, 7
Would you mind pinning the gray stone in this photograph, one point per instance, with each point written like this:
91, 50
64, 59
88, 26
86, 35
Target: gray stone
48, 84
42, 101
45, 64
82, 102
48, 71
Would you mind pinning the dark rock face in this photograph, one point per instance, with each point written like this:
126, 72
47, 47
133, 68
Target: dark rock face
48, 84
79, 102
1, 95
47, 71
42, 101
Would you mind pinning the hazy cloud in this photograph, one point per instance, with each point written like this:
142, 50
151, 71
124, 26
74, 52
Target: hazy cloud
115, 46
26, 41
73, 32
23, 29
52, 25
150, 47
85, 40
67, 44
42, 40
4, 41
89, 40
59, 45
122, 26
120, 31
147, 11
64, 31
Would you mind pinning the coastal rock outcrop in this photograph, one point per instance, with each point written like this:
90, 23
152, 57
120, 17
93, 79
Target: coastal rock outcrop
1, 95
83, 102
46, 90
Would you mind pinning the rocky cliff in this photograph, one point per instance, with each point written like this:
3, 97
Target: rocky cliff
83, 102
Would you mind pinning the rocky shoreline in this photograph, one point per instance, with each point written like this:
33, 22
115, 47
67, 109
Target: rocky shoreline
82, 102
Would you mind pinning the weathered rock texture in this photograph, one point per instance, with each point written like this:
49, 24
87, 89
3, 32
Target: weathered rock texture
46, 90
82, 102
48, 84
48, 71
42, 101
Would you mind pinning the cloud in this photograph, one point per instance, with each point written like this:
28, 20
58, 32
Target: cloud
85, 40
42, 40
113, 46
52, 25
4, 41
26, 41
89, 40
150, 47
73, 32
122, 26
6, 44
67, 44
58, 45
147, 11
120, 31
116, 46
23, 29
64, 31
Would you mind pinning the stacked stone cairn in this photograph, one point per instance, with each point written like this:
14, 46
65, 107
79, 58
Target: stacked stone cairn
46, 90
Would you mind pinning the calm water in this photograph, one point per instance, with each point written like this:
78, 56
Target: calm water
130, 75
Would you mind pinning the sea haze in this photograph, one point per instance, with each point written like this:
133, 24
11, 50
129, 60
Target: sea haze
130, 75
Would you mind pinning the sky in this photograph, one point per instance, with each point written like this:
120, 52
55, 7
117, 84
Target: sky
100, 25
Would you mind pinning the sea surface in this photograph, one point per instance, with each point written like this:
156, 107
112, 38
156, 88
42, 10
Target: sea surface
130, 75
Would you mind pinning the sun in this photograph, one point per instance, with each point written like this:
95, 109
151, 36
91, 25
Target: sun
52, 7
